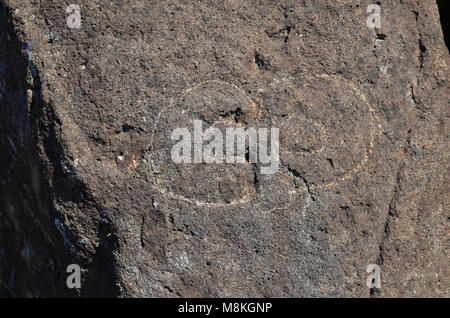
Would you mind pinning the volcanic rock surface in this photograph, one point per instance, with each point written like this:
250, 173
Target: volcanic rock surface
86, 175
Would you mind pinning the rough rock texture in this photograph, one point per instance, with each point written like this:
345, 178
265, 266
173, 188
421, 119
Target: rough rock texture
85, 169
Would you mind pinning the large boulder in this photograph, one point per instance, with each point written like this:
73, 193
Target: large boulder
87, 177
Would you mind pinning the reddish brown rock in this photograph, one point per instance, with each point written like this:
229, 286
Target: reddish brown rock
87, 178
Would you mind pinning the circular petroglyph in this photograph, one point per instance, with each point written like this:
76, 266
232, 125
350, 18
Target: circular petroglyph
329, 136
220, 105
324, 139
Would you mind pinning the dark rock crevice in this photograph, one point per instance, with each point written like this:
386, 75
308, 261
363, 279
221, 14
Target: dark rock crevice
444, 13
37, 182
392, 211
